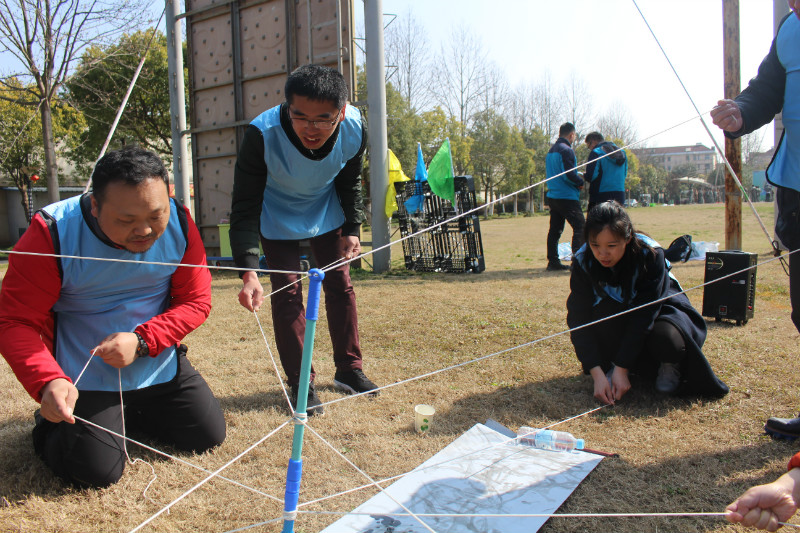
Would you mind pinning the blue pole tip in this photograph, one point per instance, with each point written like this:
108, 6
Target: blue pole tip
316, 273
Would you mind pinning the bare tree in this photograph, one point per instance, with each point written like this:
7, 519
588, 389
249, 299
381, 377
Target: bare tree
47, 38
618, 124
547, 106
461, 75
538, 106
578, 104
408, 51
496, 96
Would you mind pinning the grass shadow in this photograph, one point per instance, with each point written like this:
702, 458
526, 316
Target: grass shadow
554, 400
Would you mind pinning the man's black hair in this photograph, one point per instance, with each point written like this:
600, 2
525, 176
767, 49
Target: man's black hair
319, 83
130, 165
565, 129
595, 136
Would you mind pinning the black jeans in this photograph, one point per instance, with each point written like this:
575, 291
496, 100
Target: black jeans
787, 229
560, 211
182, 412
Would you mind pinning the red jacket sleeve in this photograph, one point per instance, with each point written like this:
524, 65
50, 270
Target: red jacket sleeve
31, 286
795, 461
190, 303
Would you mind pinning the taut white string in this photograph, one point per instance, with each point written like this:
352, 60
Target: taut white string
459, 457
176, 459
372, 481
209, 478
553, 335
703, 122
274, 364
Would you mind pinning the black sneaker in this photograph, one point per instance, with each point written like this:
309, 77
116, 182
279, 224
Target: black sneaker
556, 266
354, 381
783, 428
313, 405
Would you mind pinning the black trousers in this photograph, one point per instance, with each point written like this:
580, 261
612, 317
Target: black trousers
787, 228
182, 413
664, 344
561, 211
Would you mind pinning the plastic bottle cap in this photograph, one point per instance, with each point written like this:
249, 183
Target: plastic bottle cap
579, 444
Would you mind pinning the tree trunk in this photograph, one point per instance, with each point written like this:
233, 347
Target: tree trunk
51, 166
515, 204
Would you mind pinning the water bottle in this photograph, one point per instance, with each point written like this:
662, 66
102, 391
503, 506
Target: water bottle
547, 439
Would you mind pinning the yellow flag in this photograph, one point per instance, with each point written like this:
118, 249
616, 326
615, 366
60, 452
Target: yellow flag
395, 174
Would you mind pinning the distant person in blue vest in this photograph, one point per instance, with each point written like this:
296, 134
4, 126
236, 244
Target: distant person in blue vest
298, 177
606, 170
563, 195
116, 326
776, 88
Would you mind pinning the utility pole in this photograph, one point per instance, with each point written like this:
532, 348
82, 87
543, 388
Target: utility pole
733, 147
177, 104
378, 143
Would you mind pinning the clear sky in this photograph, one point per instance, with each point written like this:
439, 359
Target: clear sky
606, 43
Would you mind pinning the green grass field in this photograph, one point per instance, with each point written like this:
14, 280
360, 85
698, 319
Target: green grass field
676, 455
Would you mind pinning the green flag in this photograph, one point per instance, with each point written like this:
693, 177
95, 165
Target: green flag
440, 173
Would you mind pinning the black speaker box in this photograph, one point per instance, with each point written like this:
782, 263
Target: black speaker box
731, 297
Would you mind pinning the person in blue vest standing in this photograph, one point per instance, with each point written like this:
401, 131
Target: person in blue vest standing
606, 170
563, 195
297, 177
776, 88
87, 338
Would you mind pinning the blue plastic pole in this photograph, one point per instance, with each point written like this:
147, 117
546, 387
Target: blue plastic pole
295, 470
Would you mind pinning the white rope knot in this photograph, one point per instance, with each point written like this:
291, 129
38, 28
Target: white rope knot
290, 515
300, 418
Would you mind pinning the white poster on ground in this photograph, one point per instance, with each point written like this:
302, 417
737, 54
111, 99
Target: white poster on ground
478, 473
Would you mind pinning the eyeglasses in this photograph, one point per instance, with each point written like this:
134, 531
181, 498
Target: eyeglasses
319, 124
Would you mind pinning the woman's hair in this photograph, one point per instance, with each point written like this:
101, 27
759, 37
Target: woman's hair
613, 216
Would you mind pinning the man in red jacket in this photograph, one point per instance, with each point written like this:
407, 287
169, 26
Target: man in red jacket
79, 332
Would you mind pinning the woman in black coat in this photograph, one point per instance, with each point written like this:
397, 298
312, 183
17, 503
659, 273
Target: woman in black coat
617, 270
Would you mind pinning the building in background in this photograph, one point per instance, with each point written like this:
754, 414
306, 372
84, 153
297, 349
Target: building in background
703, 158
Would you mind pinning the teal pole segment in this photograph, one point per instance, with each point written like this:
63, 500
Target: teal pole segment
295, 470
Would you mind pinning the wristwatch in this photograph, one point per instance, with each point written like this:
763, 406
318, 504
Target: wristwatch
142, 350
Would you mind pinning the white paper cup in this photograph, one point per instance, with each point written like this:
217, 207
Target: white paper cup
423, 417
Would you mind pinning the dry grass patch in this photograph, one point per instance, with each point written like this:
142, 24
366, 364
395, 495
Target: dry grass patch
676, 454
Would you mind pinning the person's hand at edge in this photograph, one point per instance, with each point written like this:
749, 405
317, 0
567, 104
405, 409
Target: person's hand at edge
764, 506
252, 294
58, 401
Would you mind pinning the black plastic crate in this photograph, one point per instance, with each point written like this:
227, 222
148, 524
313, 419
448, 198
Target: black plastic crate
453, 246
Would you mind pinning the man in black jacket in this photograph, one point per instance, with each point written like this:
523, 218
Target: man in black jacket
776, 88
297, 177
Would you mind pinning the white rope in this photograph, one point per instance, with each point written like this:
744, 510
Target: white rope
136, 261
176, 459
711, 136
274, 364
91, 356
124, 440
209, 478
507, 196
369, 478
526, 515
551, 336
507, 440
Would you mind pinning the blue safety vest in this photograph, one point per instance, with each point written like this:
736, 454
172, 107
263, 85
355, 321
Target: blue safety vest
99, 298
784, 170
300, 199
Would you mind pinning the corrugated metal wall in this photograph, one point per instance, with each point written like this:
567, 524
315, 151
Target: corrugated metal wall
240, 53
